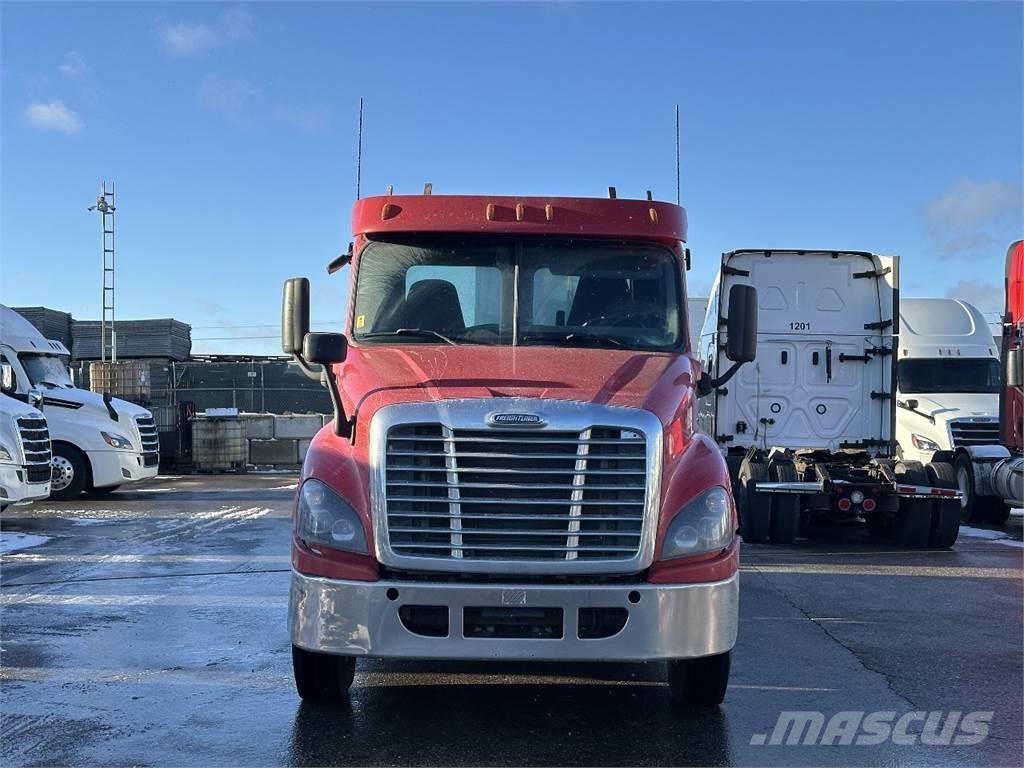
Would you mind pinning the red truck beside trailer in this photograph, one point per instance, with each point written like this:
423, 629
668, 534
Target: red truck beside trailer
513, 470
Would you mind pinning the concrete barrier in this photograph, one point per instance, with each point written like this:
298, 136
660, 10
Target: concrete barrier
297, 427
258, 426
273, 452
303, 447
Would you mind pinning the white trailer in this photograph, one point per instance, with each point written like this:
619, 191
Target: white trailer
807, 429
99, 443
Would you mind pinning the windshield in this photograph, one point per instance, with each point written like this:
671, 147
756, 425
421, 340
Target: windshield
525, 292
46, 371
948, 374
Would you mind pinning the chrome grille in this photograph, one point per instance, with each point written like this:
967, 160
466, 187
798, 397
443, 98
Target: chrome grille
35, 441
974, 432
148, 433
515, 494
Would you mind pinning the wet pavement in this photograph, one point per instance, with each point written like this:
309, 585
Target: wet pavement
149, 628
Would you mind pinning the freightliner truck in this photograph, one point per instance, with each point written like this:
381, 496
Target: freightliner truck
990, 474
99, 443
24, 447
807, 428
513, 470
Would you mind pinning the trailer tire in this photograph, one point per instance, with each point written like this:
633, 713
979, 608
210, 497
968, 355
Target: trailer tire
322, 678
70, 472
914, 523
945, 512
754, 507
785, 507
699, 682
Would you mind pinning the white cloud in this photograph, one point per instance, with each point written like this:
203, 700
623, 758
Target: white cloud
305, 120
988, 297
74, 66
962, 218
233, 98
191, 39
53, 116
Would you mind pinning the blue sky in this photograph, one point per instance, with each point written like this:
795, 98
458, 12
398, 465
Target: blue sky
230, 132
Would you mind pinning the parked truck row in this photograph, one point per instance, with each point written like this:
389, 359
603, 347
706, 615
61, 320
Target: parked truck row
93, 443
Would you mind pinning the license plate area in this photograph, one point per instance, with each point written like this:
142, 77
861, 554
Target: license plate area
532, 623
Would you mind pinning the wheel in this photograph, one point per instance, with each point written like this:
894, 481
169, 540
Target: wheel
914, 523
754, 507
970, 508
785, 507
70, 472
699, 682
995, 511
102, 491
322, 677
945, 513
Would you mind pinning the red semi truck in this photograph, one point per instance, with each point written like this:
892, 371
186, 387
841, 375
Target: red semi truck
513, 470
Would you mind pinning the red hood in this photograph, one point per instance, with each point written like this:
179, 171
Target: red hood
374, 376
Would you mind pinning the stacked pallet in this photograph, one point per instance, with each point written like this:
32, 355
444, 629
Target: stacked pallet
52, 323
165, 337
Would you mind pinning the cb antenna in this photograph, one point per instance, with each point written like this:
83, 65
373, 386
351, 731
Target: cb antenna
359, 150
678, 199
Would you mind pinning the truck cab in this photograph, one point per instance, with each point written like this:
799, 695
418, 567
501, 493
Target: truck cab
949, 378
24, 448
513, 471
99, 443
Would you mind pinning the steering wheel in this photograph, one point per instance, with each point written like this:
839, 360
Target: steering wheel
621, 317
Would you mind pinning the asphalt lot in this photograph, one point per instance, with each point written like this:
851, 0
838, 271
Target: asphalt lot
149, 628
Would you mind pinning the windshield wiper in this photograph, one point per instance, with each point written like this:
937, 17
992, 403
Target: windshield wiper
422, 333
591, 338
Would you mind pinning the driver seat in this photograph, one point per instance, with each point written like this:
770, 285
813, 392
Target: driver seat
597, 296
434, 305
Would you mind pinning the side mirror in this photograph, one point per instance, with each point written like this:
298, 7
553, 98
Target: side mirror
325, 348
35, 399
741, 346
912, 404
294, 314
7, 384
1015, 367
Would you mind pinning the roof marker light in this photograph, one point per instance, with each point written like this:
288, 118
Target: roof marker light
387, 211
490, 212
520, 211
654, 215
549, 212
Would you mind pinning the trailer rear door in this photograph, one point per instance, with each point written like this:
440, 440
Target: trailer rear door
823, 377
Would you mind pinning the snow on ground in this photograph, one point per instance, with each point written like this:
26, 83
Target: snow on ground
13, 541
999, 537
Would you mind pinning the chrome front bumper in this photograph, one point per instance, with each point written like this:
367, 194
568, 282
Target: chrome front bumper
360, 618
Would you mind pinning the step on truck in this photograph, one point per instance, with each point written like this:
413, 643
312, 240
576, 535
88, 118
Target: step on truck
989, 473
807, 428
513, 470
24, 446
99, 442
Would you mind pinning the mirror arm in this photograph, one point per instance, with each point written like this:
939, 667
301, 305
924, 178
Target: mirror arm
706, 384
343, 426
314, 373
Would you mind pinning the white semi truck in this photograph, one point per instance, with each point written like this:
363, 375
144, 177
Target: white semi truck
948, 394
99, 443
808, 428
24, 448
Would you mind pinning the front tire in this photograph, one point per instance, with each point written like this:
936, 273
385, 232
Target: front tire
322, 678
699, 682
70, 472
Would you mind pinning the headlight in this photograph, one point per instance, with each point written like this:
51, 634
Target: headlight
117, 441
923, 443
5, 453
703, 525
326, 518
